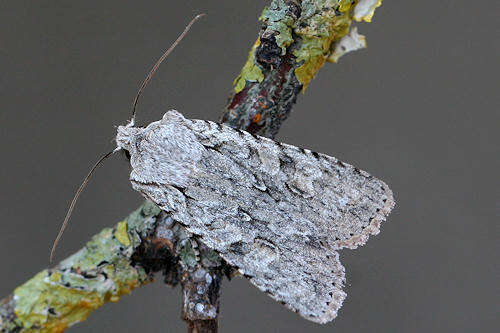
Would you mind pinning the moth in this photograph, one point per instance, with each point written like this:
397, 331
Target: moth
275, 212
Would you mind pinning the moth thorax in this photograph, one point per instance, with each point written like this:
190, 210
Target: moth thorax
125, 135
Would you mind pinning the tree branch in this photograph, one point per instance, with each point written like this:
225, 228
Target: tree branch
296, 39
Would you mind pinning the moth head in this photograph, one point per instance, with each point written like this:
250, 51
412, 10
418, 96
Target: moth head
125, 136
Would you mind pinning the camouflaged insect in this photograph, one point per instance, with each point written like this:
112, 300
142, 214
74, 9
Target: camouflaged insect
276, 212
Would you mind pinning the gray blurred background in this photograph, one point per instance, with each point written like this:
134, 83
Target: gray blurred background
418, 109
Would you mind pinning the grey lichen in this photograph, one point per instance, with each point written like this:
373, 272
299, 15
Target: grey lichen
279, 19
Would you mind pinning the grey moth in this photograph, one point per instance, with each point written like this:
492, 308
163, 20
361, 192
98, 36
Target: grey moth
276, 212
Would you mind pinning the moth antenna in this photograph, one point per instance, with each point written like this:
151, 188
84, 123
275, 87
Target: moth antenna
73, 202
158, 63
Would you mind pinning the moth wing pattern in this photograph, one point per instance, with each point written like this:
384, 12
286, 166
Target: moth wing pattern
276, 212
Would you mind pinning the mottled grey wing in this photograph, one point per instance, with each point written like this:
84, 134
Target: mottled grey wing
278, 213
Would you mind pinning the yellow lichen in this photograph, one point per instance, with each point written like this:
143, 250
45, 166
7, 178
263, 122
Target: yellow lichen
121, 233
251, 71
317, 37
345, 5
44, 305
327, 23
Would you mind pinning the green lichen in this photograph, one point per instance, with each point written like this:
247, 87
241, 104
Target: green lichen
251, 71
278, 20
43, 304
188, 255
211, 259
148, 209
99, 273
141, 222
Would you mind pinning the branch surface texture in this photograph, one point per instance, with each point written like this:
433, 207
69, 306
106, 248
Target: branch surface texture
296, 39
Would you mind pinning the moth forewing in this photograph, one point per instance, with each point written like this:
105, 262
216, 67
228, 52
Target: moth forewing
275, 211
